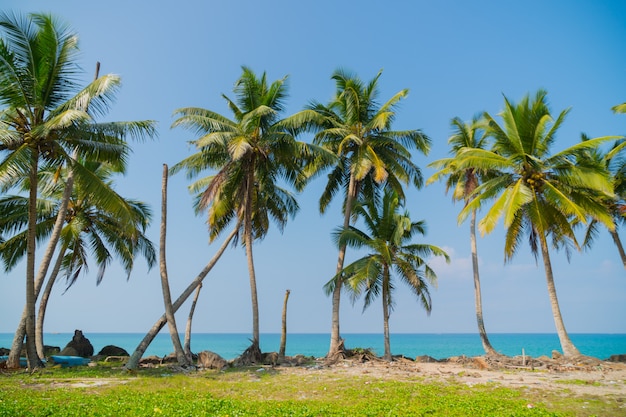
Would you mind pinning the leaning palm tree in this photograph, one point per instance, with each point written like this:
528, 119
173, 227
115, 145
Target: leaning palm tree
45, 118
390, 254
251, 153
369, 154
538, 193
464, 182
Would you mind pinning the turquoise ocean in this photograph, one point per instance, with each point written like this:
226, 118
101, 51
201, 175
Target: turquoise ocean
439, 346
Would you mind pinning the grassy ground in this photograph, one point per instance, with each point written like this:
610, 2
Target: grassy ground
108, 391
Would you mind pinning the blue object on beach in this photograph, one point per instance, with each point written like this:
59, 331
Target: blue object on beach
66, 361
23, 362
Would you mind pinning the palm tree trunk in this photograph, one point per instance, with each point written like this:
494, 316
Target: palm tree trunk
31, 350
335, 336
18, 337
619, 245
192, 309
167, 299
283, 334
133, 362
253, 353
43, 303
489, 350
387, 356
568, 347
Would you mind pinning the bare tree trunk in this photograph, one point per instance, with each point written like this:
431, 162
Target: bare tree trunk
283, 335
133, 362
336, 344
31, 350
619, 245
386, 300
489, 350
167, 299
43, 303
253, 353
568, 347
192, 309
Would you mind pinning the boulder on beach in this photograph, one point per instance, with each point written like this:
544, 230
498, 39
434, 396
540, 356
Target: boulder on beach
618, 358
78, 346
211, 360
112, 350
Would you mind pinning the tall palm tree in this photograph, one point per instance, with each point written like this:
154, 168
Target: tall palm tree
538, 193
464, 182
45, 118
358, 130
390, 253
251, 153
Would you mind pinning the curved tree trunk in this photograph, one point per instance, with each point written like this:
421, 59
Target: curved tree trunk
283, 334
133, 362
568, 347
43, 303
192, 309
618, 244
489, 350
167, 299
336, 344
385, 297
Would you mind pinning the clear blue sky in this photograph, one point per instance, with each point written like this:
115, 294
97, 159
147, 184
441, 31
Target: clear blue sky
456, 57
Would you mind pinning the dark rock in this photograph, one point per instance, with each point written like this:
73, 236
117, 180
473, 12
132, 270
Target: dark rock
618, 358
150, 360
211, 360
78, 346
50, 350
4, 351
271, 358
171, 358
111, 350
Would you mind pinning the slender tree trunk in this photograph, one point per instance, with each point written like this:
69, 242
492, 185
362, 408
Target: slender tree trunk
618, 244
335, 336
18, 337
133, 362
167, 299
489, 350
568, 347
386, 300
254, 350
31, 350
283, 334
192, 309
43, 303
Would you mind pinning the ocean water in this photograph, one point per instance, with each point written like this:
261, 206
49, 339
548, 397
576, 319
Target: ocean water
439, 346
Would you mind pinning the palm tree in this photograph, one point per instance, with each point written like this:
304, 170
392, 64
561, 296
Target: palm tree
616, 165
355, 128
390, 253
45, 119
88, 229
251, 153
536, 192
464, 182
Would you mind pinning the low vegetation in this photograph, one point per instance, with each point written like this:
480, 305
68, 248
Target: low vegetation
107, 390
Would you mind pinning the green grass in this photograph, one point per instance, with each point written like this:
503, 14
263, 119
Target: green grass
110, 391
